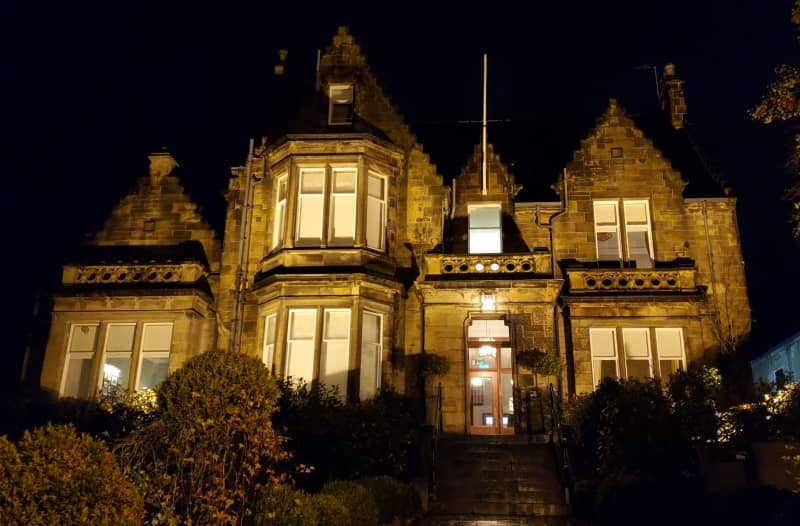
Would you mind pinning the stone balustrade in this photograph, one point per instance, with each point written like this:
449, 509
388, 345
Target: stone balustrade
497, 266
647, 280
122, 273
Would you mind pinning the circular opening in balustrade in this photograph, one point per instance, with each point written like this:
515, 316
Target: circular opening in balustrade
464, 267
91, 276
655, 282
448, 268
591, 282
623, 282
639, 282
495, 267
168, 275
152, 276
137, 276
106, 276
526, 267
122, 276
606, 282
510, 267
671, 282
479, 267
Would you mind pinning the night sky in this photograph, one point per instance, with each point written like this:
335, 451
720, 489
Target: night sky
90, 91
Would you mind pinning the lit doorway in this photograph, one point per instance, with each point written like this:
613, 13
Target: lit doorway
490, 383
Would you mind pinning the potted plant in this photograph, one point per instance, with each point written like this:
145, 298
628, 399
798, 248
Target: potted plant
540, 362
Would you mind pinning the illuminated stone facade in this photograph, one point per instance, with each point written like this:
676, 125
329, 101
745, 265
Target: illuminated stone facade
344, 251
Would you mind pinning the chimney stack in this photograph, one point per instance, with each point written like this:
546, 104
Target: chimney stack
673, 101
161, 165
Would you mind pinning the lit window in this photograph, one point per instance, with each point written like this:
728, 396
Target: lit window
340, 110
310, 207
371, 352
300, 339
117, 357
669, 345
279, 224
603, 343
77, 380
154, 358
376, 211
343, 207
633, 226
268, 355
335, 355
636, 344
485, 231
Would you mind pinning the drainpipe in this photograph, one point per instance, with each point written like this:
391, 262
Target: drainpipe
567, 324
711, 266
244, 234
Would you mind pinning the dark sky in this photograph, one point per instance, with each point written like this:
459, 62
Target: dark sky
89, 91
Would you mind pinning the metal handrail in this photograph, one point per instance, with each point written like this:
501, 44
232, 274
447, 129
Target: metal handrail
560, 445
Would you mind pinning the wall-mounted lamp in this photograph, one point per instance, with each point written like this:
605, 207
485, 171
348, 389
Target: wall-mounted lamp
487, 302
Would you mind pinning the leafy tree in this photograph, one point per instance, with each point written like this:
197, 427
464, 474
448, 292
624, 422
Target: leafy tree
694, 393
210, 447
782, 103
55, 476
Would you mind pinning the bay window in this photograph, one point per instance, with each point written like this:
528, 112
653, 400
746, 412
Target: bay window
371, 353
279, 223
376, 211
131, 355
335, 352
268, 354
300, 340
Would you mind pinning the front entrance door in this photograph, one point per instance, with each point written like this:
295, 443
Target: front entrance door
491, 390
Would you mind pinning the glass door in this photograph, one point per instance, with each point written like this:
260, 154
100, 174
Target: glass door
491, 398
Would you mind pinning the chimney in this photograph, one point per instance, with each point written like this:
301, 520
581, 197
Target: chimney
161, 165
673, 101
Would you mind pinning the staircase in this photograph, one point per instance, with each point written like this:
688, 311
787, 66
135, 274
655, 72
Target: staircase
512, 476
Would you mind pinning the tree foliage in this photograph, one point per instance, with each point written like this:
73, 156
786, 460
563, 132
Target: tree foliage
694, 393
540, 362
782, 103
55, 476
211, 446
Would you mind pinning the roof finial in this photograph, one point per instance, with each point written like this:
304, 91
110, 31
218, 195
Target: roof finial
161, 165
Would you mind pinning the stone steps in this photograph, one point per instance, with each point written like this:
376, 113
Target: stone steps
513, 476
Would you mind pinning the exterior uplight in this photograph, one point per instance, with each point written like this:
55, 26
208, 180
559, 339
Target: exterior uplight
487, 302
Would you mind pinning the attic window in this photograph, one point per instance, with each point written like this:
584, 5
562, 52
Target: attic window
340, 110
616, 153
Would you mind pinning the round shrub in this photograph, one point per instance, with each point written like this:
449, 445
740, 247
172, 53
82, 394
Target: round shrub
55, 476
330, 510
395, 499
284, 506
357, 500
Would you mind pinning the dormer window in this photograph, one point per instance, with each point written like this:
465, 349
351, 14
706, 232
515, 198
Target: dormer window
622, 230
340, 109
485, 231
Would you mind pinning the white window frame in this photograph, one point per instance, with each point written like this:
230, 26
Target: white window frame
279, 219
334, 210
309, 203
377, 203
153, 353
682, 358
324, 350
117, 354
365, 392
270, 337
627, 333
498, 230
603, 330
79, 355
289, 341
332, 104
622, 227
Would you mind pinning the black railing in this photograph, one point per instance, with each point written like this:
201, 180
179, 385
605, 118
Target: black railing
434, 425
560, 445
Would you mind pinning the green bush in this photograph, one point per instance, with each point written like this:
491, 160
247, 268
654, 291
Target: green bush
784, 407
55, 476
330, 510
695, 393
427, 364
210, 446
358, 501
540, 362
395, 499
284, 506
375, 437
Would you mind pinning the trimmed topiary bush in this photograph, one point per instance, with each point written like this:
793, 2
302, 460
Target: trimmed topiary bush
55, 476
395, 499
211, 447
330, 510
358, 501
284, 506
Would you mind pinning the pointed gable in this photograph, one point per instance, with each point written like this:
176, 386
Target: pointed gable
158, 213
500, 184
